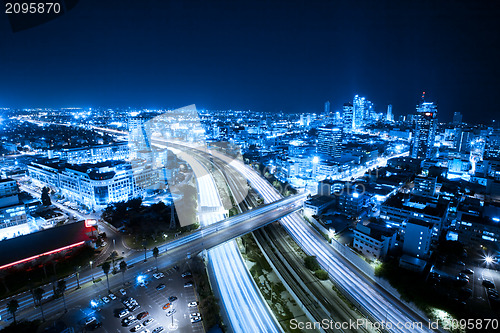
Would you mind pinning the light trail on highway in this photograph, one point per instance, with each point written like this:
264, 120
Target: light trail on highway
241, 299
381, 308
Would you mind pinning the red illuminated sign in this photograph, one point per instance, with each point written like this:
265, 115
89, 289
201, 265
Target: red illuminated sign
90, 223
43, 254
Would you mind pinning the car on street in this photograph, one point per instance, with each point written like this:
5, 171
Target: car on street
158, 275
188, 284
171, 312
195, 320
166, 306
105, 300
161, 286
158, 329
90, 320
186, 274
467, 271
112, 296
123, 292
192, 304
172, 299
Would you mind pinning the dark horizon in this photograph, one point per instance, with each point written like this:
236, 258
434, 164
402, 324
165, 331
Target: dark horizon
262, 56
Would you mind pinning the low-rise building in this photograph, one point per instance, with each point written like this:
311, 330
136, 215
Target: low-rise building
13, 217
401, 207
317, 204
417, 238
374, 241
97, 185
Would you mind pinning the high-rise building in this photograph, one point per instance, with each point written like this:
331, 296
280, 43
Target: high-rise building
424, 133
390, 116
330, 141
457, 118
327, 107
360, 110
348, 117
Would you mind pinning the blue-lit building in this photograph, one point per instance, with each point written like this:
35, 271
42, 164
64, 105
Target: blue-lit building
424, 133
97, 185
13, 216
330, 141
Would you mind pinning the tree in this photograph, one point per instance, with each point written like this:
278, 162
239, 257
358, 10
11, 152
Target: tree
12, 307
46, 197
156, 253
311, 263
113, 256
105, 268
123, 268
61, 288
77, 274
38, 293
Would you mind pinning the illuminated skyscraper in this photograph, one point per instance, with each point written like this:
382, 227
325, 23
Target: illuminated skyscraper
457, 118
330, 141
424, 133
360, 110
390, 116
348, 117
327, 107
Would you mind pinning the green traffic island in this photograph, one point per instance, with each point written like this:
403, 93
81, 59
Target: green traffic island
279, 300
208, 303
150, 226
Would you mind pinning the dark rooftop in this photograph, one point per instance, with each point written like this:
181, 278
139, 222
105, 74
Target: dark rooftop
27, 246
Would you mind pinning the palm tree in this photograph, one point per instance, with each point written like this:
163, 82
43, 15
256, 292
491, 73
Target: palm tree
123, 268
105, 268
77, 274
156, 253
12, 307
113, 256
38, 293
61, 288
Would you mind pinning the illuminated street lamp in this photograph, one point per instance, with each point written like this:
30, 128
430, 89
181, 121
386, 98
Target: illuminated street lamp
488, 260
91, 272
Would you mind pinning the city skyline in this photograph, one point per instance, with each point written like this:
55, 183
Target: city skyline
252, 56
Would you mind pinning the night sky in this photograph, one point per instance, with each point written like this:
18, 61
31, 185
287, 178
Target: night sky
259, 55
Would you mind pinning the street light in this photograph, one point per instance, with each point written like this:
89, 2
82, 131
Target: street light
91, 272
488, 260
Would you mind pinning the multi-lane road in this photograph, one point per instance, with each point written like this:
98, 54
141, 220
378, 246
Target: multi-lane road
381, 306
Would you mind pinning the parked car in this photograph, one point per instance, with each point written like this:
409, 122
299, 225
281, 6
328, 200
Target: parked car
488, 284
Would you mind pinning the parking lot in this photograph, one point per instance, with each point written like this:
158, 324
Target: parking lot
160, 308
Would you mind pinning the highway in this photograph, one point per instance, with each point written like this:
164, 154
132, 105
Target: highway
321, 302
240, 297
377, 303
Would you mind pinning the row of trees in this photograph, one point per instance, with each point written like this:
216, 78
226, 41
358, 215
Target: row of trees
37, 293
60, 289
